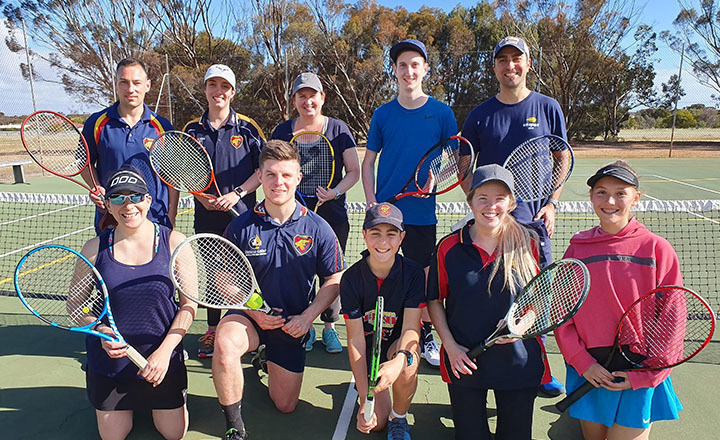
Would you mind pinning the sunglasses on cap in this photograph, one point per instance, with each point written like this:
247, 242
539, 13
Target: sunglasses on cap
120, 199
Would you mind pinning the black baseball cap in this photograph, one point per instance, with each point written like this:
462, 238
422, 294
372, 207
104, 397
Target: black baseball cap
384, 213
405, 46
125, 180
616, 171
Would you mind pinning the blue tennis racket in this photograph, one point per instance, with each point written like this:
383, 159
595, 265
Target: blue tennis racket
64, 289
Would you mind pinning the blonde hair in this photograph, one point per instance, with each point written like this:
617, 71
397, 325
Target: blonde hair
515, 250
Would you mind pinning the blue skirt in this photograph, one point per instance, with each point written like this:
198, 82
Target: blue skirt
630, 408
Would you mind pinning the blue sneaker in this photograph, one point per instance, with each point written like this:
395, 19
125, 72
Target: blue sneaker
398, 429
551, 389
310, 340
331, 340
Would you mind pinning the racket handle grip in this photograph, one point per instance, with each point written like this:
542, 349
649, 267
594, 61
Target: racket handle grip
136, 357
477, 351
369, 408
573, 397
233, 213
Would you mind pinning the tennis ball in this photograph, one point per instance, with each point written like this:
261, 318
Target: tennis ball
255, 301
86, 310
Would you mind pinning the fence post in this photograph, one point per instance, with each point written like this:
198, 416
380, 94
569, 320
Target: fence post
30, 70
112, 69
167, 72
677, 98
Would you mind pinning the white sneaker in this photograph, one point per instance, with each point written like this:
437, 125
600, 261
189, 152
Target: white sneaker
431, 353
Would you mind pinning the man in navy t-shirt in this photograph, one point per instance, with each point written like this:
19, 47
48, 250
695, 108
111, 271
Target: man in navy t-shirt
287, 246
506, 120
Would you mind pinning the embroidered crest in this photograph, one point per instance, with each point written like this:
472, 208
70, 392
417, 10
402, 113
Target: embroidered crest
147, 142
255, 242
532, 119
303, 244
384, 210
236, 141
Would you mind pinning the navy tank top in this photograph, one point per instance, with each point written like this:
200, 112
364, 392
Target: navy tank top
142, 300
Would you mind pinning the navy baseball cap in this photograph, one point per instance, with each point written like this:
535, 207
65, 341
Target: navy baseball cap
616, 171
125, 180
490, 173
515, 42
405, 46
384, 213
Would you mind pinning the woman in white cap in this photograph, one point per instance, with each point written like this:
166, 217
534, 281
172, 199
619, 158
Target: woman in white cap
133, 259
308, 99
233, 142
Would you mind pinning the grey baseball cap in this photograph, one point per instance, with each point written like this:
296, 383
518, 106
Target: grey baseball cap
307, 80
384, 213
515, 42
490, 173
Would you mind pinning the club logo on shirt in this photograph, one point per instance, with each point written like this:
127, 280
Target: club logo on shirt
147, 142
303, 244
236, 141
255, 242
254, 247
531, 123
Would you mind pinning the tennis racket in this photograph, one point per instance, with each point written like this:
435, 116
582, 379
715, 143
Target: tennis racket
540, 166
375, 361
443, 167
64, 289
317, 163
183, 163
211, 271
660, 330
548, 301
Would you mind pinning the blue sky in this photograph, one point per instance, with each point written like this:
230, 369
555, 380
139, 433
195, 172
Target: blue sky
14, 93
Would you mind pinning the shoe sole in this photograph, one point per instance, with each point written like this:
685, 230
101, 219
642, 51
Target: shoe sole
204, 356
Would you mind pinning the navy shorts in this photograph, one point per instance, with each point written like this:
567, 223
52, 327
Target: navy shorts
419, 243
280, 348
135, 393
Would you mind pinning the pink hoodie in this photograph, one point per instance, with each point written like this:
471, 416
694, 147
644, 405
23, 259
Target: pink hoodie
622, 268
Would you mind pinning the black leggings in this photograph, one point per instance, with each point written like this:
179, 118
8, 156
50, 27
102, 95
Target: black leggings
514, 413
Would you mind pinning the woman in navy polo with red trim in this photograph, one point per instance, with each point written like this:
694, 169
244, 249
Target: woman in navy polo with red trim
475, 276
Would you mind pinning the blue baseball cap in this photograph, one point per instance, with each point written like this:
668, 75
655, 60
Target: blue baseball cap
405, 46
490, 173
515, 42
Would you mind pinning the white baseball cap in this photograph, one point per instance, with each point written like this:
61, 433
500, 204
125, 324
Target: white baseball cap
220, 71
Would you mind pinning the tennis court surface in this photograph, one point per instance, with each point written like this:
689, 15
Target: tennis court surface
42, 382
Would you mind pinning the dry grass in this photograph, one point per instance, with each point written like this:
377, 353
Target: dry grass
646, 149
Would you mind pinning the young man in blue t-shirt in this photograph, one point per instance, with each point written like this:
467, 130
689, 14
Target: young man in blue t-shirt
506, 120
401, 132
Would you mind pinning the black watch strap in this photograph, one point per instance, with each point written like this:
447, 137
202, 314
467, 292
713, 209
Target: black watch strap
407, 354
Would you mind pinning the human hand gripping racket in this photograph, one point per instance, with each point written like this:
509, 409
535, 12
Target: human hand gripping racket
317, 163
182, 163
211, 271
662, 329
443, 167
64, 289
369, 408
549, 300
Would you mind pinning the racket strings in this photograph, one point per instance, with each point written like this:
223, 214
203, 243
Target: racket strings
664, 329
55, 143
61, 288
540, 167
214, 273
444, 166
550, 297
181, 162
316, 162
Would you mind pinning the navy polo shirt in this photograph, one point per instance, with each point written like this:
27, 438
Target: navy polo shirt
338, 133
404, 287
286, 257
113, 143
459, 275
234, 151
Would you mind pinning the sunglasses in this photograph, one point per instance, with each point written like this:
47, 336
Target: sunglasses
120, 199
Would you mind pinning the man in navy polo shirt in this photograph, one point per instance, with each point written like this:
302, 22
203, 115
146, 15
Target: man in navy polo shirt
287, 246
122, 135
233, 142
506, 120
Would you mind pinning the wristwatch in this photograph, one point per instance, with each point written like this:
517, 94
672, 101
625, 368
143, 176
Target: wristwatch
337, 193
407, 354
240, 192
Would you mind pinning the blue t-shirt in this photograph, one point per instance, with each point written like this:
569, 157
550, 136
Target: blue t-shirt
338, 133
402, 137
494, 129
234, 150
113, 143
286, 258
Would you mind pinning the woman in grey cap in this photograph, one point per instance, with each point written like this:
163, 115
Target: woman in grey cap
308, 98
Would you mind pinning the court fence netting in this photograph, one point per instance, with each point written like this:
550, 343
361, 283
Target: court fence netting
692, 227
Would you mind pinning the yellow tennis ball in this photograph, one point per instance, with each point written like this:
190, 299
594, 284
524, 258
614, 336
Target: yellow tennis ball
255, 301
86, 310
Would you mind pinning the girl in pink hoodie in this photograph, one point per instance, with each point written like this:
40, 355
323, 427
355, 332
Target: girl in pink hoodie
625, 261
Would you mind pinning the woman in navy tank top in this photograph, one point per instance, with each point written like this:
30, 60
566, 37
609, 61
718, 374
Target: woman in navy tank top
134, 259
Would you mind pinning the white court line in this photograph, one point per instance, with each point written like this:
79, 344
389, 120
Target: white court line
40, 243
686, 184
38, 215
346, 413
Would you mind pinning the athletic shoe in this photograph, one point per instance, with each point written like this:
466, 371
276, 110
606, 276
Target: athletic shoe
234, 434
551, 389
431, 353
398, 429
310, 340
207, 344
331, 340
186, 356
259, 360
